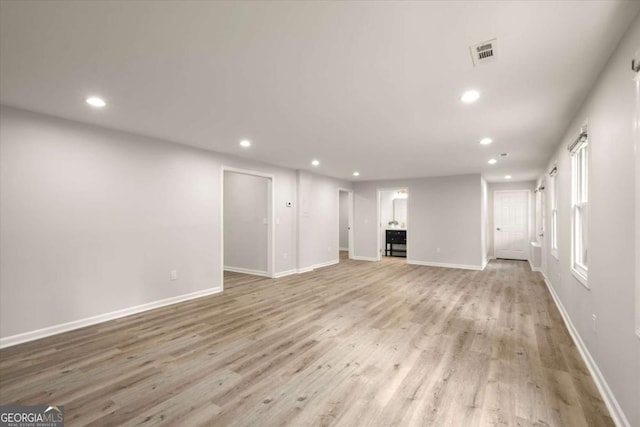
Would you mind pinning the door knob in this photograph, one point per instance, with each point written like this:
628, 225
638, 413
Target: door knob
498, 228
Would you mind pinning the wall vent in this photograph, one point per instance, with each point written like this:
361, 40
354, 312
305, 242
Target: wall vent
484, 52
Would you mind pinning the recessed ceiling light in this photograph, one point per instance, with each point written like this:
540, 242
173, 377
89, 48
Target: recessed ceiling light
94, 101
245, 143
470, 96
486, 141
492, 161
356, 174
507, 177
315, 162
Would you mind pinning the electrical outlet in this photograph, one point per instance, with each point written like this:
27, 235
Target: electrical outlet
328, 248
594, 318
438, 250
285, 255
173, 274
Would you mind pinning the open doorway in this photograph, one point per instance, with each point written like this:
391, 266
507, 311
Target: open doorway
393, 221
247, 222
345, 219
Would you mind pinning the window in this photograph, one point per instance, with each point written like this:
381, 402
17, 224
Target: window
554, 213
580, 208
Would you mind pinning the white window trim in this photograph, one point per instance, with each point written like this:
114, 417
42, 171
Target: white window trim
580, 272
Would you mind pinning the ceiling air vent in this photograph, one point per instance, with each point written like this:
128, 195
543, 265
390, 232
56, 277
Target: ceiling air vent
484, 52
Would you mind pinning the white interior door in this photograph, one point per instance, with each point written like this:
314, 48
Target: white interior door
511, 228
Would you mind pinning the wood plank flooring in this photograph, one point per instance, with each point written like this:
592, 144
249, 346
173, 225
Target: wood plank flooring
359, 343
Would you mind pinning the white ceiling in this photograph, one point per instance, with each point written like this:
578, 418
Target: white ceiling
361, 86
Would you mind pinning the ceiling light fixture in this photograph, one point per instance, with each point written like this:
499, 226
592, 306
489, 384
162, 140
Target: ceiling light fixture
486, 141
94, 101
356, 173
245, 143
507, 177
470, 96
492, 161
315, 162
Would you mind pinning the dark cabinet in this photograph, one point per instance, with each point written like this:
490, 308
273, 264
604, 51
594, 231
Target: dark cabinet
396, 243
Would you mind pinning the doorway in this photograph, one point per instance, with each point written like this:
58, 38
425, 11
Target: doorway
345, 219
511, 224
247, 222
393, 222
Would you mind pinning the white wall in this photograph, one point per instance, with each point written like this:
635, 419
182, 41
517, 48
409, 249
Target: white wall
613, 345
246, 230
502, 186
442, 213
344, 220
92, 220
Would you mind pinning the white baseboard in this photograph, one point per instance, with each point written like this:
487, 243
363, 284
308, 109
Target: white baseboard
485, 262
539, 269
247, 271
445, 265
326, 263
81, 323
284, 273
306, 269
609, 398
364, 258
344, 249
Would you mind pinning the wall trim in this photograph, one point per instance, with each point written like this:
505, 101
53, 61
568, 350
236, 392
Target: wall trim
284, 273
364, 258
247, 271
534, 268
326, 263
609, 398
445, 265
485, 262
81, 323
305, 269
344, 249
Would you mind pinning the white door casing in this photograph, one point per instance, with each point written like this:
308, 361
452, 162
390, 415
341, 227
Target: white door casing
511, 227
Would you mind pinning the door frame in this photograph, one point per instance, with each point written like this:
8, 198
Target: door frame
493, 220
379, 226
271, 227
349, 220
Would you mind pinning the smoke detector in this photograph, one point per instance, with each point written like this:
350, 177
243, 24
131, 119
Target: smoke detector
484, 52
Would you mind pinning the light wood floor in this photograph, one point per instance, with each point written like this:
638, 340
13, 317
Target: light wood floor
359, 343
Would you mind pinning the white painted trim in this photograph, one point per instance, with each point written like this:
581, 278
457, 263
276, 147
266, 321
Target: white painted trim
81, 323
305, 270
609, 398
445, 265
350, 233
325, 264
532, 267
271, 236
365, 258
379, 225
284, 273
485, 262
247, 271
